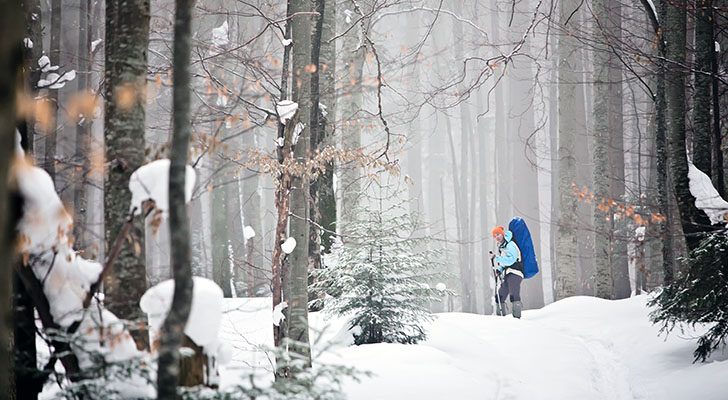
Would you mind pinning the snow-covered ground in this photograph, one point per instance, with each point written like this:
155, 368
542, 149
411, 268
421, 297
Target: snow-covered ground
578, 348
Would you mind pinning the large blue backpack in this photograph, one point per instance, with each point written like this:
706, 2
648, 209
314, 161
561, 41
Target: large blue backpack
522, 237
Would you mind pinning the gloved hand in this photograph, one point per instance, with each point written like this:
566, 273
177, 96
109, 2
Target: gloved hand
499, 269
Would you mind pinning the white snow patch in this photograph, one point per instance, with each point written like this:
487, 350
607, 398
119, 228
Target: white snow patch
220, 35
45, 64
56, 81
96, 44
289, 245
28, 43
348, 14
717, 47
280, 142
248, 232
151, 182
441, 287
297, 132
222, 100
278, 313
286, 42
45, 243
286, 109
639, 233
706, 196
203, 324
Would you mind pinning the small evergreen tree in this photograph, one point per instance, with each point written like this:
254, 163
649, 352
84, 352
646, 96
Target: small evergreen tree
379, 276
699, 295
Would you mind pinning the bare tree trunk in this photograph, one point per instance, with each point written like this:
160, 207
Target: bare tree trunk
27, 379
282, 202
329, 98
127, 37
610, 249
305, 77
11, 61
236, 237
174, 325
55, 58
350, 106
523, 157
704, 54
220, 253
571, 123
32, 73
83, 128
693, 221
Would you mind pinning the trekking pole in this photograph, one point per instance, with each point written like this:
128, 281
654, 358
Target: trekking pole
495, 276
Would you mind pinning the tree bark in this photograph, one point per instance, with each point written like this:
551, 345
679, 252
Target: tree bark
704, 55
127, 37
173, 328
55, 59
318, 140
523, 157
327, 62
220, 227
612, 278
83, 128
11, 61
305, 74
460, 179
350, 105
571, 123
664, 225
693, 221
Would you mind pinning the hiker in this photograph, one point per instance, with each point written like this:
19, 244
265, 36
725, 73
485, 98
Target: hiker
510, 271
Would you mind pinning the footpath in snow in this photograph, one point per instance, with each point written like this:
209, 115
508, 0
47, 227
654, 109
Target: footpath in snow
578, 348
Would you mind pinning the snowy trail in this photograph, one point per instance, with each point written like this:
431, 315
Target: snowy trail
575, 349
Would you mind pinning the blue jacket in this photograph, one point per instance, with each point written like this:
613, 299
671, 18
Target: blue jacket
509, 252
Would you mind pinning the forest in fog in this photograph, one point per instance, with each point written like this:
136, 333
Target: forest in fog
174, 172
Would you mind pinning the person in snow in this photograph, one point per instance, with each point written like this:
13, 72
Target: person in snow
510, 269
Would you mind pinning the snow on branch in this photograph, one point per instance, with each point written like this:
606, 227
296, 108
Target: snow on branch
53, 80
706, 196
286, 109
220, 35
151, 182
65, 280
203, 324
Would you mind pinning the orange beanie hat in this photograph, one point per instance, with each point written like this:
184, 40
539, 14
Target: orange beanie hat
498, 229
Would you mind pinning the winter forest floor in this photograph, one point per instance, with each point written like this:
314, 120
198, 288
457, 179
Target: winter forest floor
578, 348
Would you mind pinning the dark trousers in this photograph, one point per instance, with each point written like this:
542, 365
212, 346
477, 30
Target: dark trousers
510, 284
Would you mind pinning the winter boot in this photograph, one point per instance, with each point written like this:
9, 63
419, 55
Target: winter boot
500, 309
517, 307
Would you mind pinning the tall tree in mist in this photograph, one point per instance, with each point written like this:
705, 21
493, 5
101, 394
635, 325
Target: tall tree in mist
327, 74
704, 54
460, 180
83, 127
127, 38
302, 70
693, 220
571, 122
220, 229
173, 328
612, 278
317, 136
350, 103
521, 132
